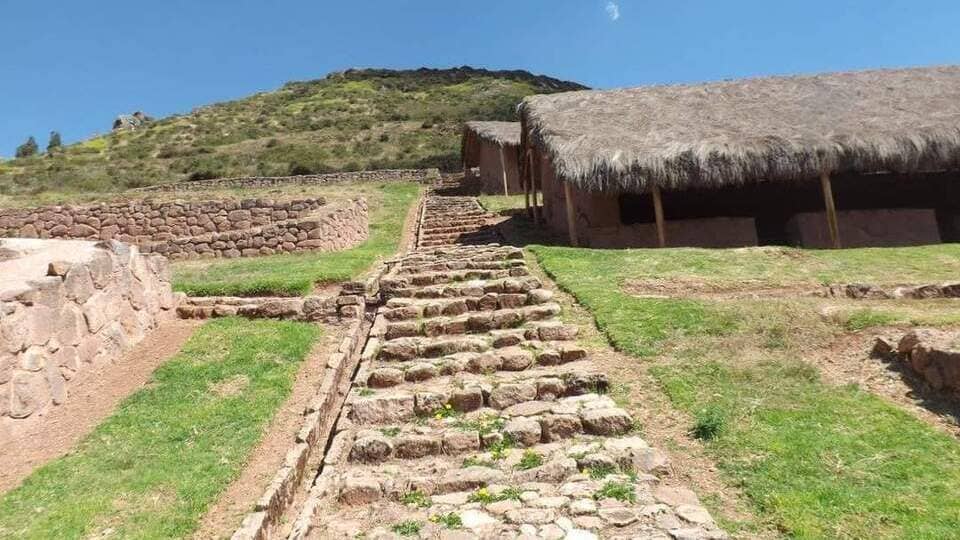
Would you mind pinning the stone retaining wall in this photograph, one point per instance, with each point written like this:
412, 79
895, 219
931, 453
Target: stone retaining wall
332, 228
215, 228
66, 305
932, 354
386, 175
139, 222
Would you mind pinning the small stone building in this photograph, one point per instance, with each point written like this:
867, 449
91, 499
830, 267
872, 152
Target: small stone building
853, 159
492, 150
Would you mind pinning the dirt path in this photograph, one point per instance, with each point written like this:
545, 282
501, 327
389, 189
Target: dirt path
476, 413
94, 394
223, 518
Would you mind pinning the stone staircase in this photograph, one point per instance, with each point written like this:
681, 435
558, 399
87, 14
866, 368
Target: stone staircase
475, 413
455, 220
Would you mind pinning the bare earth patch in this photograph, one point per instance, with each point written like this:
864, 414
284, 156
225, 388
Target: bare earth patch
94, 394
225, 515
677, 287
847, 361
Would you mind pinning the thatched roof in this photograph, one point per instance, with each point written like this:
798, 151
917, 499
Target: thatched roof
497, 132
777, 129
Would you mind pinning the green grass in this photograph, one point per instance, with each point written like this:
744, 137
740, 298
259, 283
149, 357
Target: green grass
815, 460
153, 468
866, 318
297, 274
501, 203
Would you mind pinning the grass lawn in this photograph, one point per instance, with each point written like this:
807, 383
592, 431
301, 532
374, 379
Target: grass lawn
152, 468
500, 203
817, 460
296, 274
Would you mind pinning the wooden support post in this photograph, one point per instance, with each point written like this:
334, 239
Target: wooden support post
503, 170
536, 206
658, 214
832, 222
528, 181
571, 215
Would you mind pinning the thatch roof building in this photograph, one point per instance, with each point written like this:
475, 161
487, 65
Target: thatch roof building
493, 148
736, 145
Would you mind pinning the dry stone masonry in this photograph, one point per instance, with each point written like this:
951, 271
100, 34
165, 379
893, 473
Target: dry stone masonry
475, 414
66, 305
191, 229
256, 182
934, 355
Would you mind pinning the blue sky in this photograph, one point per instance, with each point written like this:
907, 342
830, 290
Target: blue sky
73, 66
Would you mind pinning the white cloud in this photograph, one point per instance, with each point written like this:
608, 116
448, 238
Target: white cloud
613, 10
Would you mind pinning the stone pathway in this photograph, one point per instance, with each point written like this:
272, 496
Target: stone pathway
475, 414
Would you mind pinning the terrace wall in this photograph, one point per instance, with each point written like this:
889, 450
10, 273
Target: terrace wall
215, 228
331, 228
252, 182
139, 222
66, 306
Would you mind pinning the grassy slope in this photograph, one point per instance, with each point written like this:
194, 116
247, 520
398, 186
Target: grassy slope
154, 466
347, 121
819, 461
296, 274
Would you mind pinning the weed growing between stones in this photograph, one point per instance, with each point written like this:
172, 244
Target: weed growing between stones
391, 431
407, 528
529, 460
451, 520
416, 498
620, 491
474, 461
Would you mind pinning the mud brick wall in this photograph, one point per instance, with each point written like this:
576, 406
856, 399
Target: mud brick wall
386, 175
139, 222
66, 306
867, 228
332, 228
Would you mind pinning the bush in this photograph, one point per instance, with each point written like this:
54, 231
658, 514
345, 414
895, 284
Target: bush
28, 148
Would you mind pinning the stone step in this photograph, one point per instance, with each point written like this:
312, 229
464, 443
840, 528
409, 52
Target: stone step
477, 322
450, 276
577, 464
445, 265
475, 288
532, 336
476, 236
573, 377
399, 309
369, 407
458, 227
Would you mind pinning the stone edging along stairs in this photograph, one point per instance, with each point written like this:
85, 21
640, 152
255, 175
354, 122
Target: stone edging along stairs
475, 414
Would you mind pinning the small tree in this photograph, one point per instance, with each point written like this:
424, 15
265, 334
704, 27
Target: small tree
28, 148
55, 142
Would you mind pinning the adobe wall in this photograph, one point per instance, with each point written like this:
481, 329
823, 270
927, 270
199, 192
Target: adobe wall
251, 182
599, 224
866, 228
215, 228
67, 305
491, 173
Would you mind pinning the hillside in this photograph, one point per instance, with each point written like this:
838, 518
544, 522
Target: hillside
352, 120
